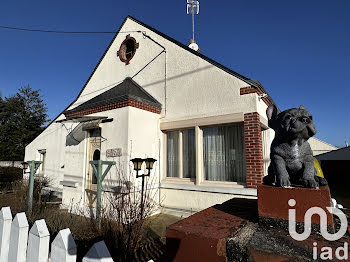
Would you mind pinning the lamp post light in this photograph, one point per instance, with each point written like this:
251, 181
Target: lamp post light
137, 162
24, 167
33, 167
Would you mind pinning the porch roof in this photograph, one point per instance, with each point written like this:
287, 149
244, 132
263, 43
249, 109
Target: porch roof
128, 89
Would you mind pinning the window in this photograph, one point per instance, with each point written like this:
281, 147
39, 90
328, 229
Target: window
96, 132
188, 153
42, 153
127, 49
181, 153
223, 153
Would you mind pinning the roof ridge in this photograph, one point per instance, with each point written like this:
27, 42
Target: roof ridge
252, 82
217, 64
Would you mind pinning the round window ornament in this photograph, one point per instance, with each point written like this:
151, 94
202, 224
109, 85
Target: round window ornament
127, 49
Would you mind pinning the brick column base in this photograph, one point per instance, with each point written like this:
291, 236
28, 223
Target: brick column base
253, 149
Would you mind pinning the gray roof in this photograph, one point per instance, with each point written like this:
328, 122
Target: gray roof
251, 82
339, 154
121, 92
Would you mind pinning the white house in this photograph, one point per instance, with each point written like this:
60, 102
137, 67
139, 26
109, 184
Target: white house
152, 96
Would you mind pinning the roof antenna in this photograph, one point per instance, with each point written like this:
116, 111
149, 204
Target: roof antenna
193, 8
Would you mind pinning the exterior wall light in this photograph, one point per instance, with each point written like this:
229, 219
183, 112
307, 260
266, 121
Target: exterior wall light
149, 163
137, 162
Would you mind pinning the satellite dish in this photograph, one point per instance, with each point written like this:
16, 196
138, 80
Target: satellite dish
193, 46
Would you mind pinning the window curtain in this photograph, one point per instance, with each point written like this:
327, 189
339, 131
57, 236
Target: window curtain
188, 153
173, 154
223, 149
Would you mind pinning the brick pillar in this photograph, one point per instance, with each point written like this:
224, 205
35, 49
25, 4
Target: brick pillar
253, 149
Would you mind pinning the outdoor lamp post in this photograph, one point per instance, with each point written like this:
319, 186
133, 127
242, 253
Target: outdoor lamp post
33, 167
137, 162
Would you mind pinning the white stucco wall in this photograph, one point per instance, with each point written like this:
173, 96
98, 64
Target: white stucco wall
114, 135
194, 87
186, 85
133, 130
53, 140
195, 200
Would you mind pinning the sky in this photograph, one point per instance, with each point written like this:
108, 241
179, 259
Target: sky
299, 50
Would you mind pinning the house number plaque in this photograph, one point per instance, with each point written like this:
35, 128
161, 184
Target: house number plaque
114, 152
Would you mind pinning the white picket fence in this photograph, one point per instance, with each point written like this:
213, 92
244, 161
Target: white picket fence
17, 246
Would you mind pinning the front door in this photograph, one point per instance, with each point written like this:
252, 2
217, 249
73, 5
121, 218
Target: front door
94, 153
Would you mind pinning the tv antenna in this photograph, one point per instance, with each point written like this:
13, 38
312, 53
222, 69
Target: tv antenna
192, 8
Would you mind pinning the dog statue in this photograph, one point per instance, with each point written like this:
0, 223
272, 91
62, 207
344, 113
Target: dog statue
292, 161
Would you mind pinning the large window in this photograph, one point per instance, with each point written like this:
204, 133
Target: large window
223, 153
181, 153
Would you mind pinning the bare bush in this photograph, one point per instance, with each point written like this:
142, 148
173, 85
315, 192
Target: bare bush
123, 225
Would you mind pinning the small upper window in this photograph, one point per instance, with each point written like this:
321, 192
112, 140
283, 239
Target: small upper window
127, 49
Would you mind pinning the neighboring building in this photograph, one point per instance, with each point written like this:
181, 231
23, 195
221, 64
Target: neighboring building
320, 147
151, 96
336, 168
336, 163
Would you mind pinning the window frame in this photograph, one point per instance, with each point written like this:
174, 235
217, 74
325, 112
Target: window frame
199, 179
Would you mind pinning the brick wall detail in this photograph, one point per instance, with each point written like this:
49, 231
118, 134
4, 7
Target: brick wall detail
119, 104
249, 90
253, 149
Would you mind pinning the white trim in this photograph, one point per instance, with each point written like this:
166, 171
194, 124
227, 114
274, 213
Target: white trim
199, 154
180, 156
203, 121
211, 189
264, 122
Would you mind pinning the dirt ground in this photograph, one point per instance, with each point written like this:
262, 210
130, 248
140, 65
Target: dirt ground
159, 223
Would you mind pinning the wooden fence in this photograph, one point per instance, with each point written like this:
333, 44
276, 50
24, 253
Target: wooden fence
16, 245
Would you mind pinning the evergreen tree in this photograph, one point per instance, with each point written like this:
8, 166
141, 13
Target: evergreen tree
22, 117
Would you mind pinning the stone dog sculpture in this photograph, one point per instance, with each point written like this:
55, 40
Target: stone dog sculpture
291, 155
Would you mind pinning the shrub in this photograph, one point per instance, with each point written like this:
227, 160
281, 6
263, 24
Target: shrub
8, 175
